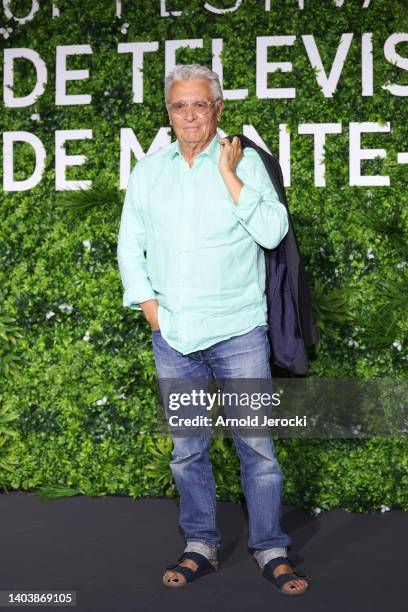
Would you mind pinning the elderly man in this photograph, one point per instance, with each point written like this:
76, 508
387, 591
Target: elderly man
200, 209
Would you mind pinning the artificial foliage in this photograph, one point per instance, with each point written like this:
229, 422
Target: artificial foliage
78, 394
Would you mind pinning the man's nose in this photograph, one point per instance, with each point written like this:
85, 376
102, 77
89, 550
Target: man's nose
190, 113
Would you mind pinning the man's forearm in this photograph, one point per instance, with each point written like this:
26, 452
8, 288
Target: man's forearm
261, 212
234, 184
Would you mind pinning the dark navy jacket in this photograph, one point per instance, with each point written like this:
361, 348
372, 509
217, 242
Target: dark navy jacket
291, 323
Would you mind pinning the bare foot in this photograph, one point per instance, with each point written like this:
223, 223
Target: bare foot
172, 576
298, 585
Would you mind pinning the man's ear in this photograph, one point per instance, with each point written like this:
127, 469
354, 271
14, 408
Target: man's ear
220, 108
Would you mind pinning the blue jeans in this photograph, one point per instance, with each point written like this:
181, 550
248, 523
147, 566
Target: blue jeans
244, 356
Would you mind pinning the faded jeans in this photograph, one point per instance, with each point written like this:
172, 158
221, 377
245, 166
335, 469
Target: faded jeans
244, 356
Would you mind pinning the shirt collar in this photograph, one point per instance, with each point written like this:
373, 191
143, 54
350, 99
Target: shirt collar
212, 150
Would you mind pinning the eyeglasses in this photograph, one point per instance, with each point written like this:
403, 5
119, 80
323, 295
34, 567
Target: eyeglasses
201, 107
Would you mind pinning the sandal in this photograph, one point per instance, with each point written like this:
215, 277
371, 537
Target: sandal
279, 581
204, 567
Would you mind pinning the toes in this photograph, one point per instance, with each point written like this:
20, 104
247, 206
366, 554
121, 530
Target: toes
296, 585
173, 577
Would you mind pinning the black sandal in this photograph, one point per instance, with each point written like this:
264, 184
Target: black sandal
279, 581
204, 567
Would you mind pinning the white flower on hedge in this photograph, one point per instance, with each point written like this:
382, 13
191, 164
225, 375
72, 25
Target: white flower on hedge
66, 308
50, 314
317, 511
384, 508
123, 396
35, 117
353, 343
397, 345
124, 28
369, 193
106, 93
102, 402
87, 244
370, 254
402, 264
6, 32
87, 336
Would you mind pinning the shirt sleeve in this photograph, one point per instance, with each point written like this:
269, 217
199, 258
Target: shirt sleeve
259, 208
131, 245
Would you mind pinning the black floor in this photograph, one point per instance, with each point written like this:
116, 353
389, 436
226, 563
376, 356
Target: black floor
112, 551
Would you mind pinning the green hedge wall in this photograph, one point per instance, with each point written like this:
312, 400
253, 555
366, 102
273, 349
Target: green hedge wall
77, 415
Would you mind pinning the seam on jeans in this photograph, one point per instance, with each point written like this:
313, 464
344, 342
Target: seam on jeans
241, 463
206, 485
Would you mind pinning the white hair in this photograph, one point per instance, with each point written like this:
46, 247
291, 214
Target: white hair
187, 72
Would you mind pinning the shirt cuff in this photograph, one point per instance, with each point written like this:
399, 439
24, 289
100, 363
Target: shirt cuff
134, 299
248, 200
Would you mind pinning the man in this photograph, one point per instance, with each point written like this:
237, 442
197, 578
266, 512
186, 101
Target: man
202, 208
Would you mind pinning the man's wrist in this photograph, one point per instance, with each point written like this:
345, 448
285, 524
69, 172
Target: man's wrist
149, 308
228, 172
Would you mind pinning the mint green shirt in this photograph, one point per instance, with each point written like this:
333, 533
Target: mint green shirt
184, 242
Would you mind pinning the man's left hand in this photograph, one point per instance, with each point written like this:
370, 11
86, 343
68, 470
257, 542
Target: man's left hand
231, 154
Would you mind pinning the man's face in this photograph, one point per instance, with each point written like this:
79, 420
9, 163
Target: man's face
192, 127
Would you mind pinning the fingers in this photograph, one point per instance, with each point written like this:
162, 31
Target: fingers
226, 141
236, 142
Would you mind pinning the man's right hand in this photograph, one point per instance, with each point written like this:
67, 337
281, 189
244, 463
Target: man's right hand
150, 310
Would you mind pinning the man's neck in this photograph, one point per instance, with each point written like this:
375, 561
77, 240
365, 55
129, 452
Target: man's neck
190, 150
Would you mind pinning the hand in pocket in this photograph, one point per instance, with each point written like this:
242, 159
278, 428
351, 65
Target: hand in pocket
151, 311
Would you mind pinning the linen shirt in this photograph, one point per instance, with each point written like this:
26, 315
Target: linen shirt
184, 242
